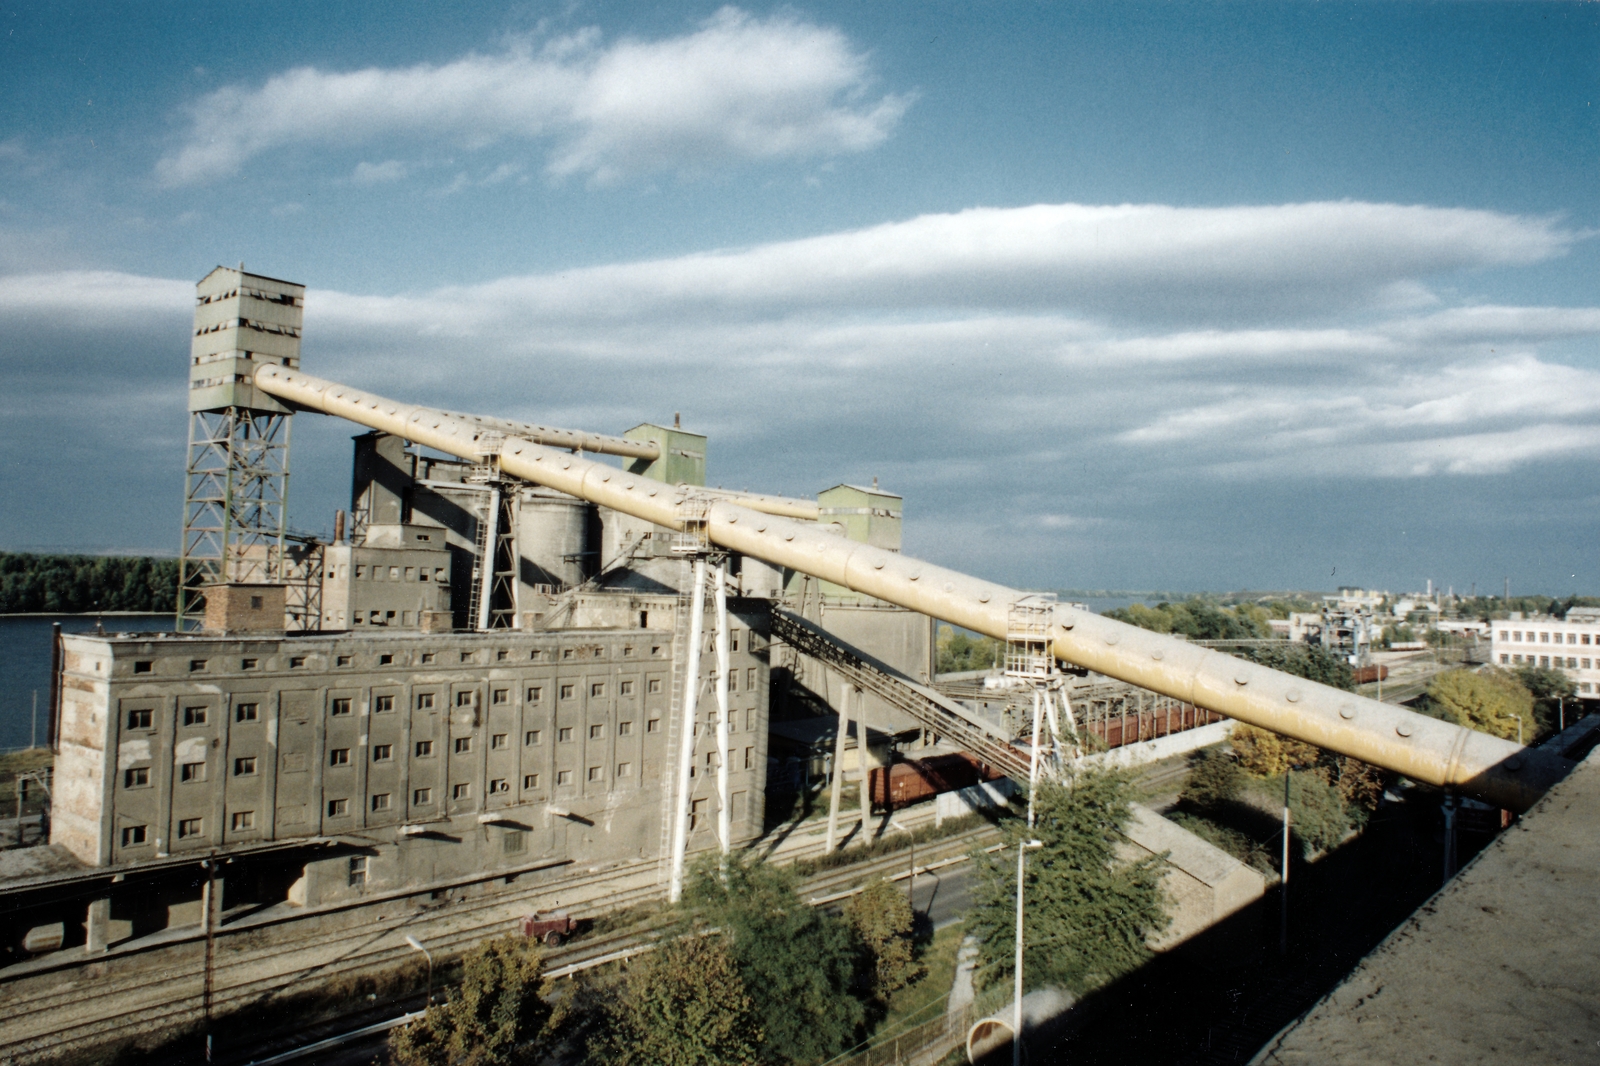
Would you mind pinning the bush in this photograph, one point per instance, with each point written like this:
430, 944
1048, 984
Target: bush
1318, 817
1266, 754
1214, 780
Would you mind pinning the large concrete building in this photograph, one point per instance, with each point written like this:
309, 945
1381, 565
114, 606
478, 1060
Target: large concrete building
1571, 645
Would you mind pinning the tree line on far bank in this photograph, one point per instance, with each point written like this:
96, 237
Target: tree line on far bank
73, 584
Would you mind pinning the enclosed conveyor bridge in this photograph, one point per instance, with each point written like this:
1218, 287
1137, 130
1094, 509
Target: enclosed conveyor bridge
1425, 749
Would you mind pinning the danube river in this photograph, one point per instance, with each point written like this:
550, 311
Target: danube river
25, 664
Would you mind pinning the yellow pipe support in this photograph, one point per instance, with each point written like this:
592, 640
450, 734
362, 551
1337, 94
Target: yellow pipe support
1422, 748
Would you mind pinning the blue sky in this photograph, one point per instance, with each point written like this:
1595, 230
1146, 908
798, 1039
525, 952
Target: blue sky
1119, 295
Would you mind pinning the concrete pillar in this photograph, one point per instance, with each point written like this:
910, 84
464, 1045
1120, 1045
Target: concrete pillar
864, 751
836, 786
98, 927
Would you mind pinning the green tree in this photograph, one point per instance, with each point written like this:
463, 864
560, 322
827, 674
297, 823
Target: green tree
959, 651
881, 919
496, 1009
1550, 688
79, 583
1491, 701
685, 1005
1090, 914
1318, 816
1305, 660
797, 962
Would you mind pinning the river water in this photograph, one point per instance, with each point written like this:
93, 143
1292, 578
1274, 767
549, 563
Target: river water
25, 664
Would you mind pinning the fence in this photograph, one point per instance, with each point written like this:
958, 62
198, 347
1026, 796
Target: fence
914, 1043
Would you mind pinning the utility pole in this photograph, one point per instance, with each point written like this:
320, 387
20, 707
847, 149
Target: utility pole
33, 740
208, 903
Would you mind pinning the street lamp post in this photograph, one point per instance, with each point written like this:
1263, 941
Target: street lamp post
1518, 718
1283, 897
417, 944
1023, 847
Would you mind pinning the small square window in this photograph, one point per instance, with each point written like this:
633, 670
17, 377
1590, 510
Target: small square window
733, 641
244, 766
141, 718
338, 756
566, 653
461, 791
466, 656
138, 777
653, 726
358, 869
563, 777
382, 704
344, 660
595, 773
625, 688
653, 685
627, 651
422, 797
257, 602
194, 716
535, 693
597, 689
296, 661
463, 745
500, 656
424, 701
564, 734
246, 712
749, 758
192, 771
244, 820
498, 785
145, 666
189, 828
383, 753
596, 732
133, 835
380, 801
466, 698
338, 808
386, 659
655, 649
424, 749
530, 780
249, 664
624, 729
532, 737
427, 658
499, 741
501, 695
196, 665
566, 692
340, 707
624, 769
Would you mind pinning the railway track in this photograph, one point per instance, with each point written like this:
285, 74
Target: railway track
251, 969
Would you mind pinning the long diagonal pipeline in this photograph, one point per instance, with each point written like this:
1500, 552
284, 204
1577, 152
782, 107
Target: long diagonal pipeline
1422, 748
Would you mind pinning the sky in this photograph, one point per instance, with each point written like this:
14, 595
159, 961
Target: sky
1118, 295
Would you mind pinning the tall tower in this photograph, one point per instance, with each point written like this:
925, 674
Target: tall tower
237, 484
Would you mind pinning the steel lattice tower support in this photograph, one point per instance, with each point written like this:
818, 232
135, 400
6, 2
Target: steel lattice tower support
236, 486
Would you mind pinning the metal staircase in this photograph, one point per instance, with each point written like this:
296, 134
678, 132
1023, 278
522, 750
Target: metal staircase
935, 711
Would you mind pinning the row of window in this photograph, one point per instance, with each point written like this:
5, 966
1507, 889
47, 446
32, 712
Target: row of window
1545, 660
398, 573
1517, 636
428, 658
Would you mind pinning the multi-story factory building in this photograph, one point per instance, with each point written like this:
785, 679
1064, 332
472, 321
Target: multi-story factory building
1571, 645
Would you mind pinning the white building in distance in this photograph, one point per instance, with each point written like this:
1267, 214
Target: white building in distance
1571, 645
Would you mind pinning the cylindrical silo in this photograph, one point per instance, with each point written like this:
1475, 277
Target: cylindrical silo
554, 539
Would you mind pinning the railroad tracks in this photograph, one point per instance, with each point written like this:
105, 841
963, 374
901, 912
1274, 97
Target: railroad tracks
258, 967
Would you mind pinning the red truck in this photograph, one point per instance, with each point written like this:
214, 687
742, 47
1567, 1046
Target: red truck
552, 927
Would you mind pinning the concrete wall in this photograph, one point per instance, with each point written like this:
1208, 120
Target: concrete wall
1203, 883
446, 753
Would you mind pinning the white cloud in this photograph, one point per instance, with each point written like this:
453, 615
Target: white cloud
1143, 262
378, 173
737, 88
